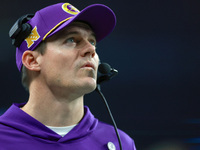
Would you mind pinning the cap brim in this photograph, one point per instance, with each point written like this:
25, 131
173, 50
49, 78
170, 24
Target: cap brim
100, 17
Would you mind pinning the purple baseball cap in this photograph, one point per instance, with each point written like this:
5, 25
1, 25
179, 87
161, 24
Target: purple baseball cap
49, 20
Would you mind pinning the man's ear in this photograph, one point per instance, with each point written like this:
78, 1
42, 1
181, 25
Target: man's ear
30, 60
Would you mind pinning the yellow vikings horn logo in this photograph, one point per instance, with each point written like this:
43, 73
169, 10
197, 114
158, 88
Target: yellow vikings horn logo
34, 36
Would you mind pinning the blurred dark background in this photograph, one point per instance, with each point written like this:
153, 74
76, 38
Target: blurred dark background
155, 47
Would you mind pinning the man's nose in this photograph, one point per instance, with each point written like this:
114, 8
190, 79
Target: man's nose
88, 50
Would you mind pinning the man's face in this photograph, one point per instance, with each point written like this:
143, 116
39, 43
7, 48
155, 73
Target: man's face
70, 61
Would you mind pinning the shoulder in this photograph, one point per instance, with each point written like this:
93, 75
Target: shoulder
109, 130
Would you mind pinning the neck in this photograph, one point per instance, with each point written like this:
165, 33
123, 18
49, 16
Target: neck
53, 111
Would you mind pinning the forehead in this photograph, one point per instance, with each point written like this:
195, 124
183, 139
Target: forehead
74, 26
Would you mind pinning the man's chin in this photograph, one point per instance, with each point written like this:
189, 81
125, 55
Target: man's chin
89, 86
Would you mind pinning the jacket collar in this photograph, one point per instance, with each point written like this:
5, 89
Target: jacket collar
16, 118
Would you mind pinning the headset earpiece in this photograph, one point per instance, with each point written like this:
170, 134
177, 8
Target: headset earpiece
20, 30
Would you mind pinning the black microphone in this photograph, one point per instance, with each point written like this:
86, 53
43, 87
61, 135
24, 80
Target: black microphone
105, 73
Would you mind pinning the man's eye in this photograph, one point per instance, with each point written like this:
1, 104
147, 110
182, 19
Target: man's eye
70, 40
93, 42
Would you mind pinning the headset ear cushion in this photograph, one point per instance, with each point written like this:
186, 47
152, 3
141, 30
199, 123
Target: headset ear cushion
24, 33
20, 30
26, 30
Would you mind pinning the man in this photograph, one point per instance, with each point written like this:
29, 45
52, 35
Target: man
59, 65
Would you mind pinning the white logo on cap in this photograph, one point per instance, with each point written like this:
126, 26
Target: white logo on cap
67, 7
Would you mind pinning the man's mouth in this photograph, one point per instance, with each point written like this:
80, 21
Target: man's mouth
89, 65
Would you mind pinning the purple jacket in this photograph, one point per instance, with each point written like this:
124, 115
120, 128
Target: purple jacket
19, 131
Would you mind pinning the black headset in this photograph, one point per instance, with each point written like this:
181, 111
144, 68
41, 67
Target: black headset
20, 30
